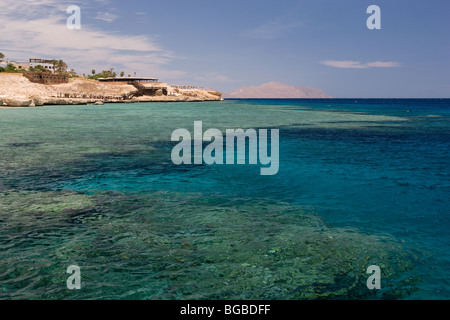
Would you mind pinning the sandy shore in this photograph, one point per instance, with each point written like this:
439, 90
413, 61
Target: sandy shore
18, 91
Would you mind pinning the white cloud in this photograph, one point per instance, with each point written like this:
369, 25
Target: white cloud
271, 30
350, 64
345, 64
37, 29
382, 64
106, 16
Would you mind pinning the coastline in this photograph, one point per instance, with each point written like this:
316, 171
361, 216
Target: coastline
74, 102
18, 91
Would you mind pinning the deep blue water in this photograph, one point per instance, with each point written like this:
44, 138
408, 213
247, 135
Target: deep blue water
376, 167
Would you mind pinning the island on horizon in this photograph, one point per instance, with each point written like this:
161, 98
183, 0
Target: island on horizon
276, 90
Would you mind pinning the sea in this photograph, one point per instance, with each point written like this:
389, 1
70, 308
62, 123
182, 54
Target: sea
361, 183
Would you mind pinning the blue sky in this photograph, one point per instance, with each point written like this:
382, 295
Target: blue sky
229, 44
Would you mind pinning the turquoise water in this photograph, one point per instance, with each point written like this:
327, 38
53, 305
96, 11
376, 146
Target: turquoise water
361, 182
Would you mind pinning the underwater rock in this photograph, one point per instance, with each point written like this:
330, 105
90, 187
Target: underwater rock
191, 247
45, 202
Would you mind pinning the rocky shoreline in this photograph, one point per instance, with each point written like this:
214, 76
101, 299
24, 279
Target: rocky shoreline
17, 91
12, 102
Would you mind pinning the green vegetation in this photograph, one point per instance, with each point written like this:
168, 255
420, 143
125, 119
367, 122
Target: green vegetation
38, 68
2, 55
104, 74
10, 68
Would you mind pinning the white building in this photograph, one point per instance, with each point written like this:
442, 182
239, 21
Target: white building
47, 64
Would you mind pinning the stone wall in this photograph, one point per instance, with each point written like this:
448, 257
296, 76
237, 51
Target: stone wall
46, 78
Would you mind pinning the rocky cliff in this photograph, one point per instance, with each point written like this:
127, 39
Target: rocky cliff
18, 91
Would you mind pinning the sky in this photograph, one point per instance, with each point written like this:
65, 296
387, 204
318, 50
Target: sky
230, 44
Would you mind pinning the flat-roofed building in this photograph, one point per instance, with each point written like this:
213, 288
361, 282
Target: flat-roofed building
127, 80
47, 64
145, 86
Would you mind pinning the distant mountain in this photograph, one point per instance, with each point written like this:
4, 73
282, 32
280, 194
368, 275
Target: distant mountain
276, 90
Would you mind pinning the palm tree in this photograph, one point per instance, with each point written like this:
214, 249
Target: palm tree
59, 66
2, 56
122, 74
93, 71
62, 66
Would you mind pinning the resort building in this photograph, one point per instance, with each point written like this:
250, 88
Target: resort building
145, 86
126, 80
47, 64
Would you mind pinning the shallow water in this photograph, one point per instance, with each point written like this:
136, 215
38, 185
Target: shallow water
360, 183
